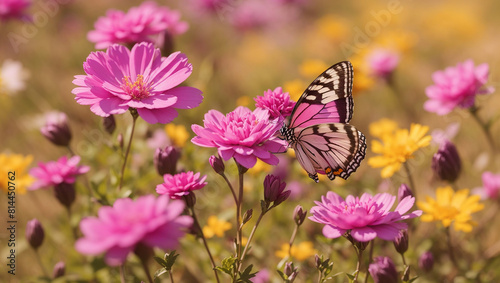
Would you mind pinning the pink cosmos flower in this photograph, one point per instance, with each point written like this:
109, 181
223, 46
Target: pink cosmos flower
277, 102
119, 79
242, 134
147, 22
456, 86
154, 222
14, 9
491, 186
53, 173
364, 218
181, 184
382, 62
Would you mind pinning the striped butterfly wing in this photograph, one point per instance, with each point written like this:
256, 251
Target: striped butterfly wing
333, 149
328, 99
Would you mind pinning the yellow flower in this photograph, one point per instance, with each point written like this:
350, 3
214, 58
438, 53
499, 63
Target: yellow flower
295, 88
177, 133
300, 252
400, 40
363, 80
397, 148
259, 167
382, 127
215, 227
15, 163
312, 68
451, 207
243, 101
331, 27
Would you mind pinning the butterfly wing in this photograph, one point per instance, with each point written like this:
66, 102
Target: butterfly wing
334, 149
328, 99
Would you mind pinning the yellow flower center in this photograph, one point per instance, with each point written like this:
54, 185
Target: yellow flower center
137, 90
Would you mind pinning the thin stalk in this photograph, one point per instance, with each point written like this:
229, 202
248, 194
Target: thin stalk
404, 260
251, 235
358, 265
197, 225
73, 229
239, 225
451, 251
171, 276
122, 273
292, 239
70, 150
370, 258
37, 255
410, 180
484, 127
146, 270
231, 188
122, 172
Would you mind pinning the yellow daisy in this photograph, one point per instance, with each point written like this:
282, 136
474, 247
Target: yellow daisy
177, 134
18, 164
301, 251
215, 227
295, 88
451, 207
382, 127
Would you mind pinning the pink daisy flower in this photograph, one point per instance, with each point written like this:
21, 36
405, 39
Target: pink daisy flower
242, 134
53, 173
14, 9
154, 222
277, 102
491, 186
141, 78
179, 185
382, 62
364, 218
147, 22
456, 87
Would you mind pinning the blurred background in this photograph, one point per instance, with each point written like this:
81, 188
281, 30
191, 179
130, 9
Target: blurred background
238, 50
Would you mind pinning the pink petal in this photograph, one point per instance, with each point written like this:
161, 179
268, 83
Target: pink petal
153, 116
332, 232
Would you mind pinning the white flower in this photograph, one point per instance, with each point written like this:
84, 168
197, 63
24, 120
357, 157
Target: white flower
12, 77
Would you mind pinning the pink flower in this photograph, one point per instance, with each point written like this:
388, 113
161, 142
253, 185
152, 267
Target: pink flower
53, 173
148, 22
242, 134
14, 9
181, 184
211, 6
119, 79
257, 14
364, 218
154, 222
382, 62
456, 86
277, 102
262, 276
491, 185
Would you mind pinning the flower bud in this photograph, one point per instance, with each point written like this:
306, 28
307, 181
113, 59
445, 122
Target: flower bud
426, 261
446, 162
401, 241
217, 164
382, 270
65, 194
247, 216
34, 233
56, 129
290, 271
165, 160
109, 124
299, 215
190, 199
403, 192
274, 190
59, 270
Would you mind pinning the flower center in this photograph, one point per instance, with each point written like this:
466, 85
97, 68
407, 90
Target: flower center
137, 90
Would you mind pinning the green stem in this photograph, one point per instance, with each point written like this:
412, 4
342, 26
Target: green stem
370, 258
292, 239
451, 250
239, 225
73, 229
410, 180
231, 188
251, 235
484, 127
171, 276
146, 270
122, 273
37, 255
197, 225
122, 172
358, 265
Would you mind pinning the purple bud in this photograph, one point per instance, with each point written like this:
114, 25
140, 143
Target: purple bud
65, 194
403, 192
446, 162
217, 164
426, 261
290, 271
274, 190
34, 233
59, 270
401, 241
247, 216
56, 129
299, 215
382, 270
165, 160
109, 124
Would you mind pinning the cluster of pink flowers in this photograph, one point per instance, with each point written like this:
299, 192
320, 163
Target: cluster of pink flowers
14, 9
141, 78
365, 218
147, 22
242, 134
154, 222
53, 173
179, 185
456, 87
277, 102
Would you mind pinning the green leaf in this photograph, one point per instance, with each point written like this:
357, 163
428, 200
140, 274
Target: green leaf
161, 261
170, 259
350, 277
413, 279
159, 273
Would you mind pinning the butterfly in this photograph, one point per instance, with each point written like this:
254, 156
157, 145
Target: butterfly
318, 128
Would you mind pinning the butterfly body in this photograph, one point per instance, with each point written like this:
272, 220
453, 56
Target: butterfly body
318, 128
